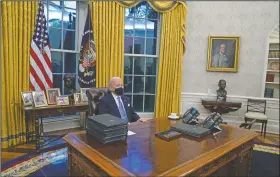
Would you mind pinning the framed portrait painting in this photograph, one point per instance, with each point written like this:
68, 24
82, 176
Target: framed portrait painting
223, 53
27, 98
52, 93
39, 98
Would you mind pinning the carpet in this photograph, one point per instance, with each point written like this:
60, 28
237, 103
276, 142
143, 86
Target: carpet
265, 162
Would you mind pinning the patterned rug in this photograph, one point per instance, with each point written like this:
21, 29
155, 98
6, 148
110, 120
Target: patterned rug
265, 162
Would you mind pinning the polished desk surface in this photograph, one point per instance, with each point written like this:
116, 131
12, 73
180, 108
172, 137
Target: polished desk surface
143, 154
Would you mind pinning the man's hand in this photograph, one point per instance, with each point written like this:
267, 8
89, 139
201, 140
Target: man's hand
140, 120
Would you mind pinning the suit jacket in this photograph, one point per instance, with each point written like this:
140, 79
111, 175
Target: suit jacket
107, 105
220, 60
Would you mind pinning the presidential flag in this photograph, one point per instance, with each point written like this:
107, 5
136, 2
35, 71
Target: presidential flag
87, 61
40, 54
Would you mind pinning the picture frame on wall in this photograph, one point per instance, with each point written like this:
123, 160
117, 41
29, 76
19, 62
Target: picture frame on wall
52, 93
223, 53
27, 98
39, 98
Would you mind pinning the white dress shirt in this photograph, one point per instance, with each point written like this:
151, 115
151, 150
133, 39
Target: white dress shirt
116, 99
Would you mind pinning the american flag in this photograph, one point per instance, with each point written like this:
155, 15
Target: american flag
85, 63
40, 54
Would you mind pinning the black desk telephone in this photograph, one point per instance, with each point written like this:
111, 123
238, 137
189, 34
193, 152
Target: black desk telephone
190, 116
212, 121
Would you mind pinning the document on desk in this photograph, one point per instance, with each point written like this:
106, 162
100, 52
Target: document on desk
130, 133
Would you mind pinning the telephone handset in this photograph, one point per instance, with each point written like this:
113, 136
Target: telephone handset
190, 116
213, 121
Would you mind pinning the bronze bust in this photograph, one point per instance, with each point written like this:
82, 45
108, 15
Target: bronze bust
221, 92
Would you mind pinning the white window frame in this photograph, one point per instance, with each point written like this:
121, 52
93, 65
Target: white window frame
63, 51
159, 22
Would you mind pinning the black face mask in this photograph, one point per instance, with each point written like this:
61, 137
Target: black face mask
119, 91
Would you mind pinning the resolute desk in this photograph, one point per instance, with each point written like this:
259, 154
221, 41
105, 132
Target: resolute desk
228, 153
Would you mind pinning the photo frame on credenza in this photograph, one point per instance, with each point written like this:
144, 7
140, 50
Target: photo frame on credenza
52, 93
27, 98
39, 98
77, 98
62, 100
223, 53
84, 97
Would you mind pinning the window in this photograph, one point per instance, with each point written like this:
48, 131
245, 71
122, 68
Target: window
61, 19
141, 56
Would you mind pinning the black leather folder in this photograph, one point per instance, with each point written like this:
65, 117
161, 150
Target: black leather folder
107, 128
191, 130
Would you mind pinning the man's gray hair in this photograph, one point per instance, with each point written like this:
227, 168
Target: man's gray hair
112, 80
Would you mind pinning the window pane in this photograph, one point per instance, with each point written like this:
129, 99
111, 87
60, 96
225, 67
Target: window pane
70, 63
71, 4
129, 12
150, 85
66, 91
139, 45
138, 103
56, 62
140, 10
55, 38
128, 42
127, 84
149, 103
151, 13
138, 86
69, 19
139, 66
152, 28
140, 27
128, 62
55, 16
69, 39
57, 81
151, 46
56, 2
128, 28
151, 66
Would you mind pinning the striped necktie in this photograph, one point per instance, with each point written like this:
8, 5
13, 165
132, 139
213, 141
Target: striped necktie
121, 109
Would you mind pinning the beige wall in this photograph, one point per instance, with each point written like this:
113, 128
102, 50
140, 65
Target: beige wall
252, 21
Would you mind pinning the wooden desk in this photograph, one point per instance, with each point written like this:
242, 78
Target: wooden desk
143, 154
33, 113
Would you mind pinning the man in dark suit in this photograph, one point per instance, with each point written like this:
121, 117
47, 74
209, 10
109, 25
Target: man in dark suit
116, 104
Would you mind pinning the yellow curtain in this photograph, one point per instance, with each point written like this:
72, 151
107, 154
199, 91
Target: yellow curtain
17, 25
108, 27
159, 6
172, 48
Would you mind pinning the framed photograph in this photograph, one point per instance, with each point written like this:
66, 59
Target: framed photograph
39, 98
223, 53
77, 98
52, 93
62, 100
27, 98
84, 95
